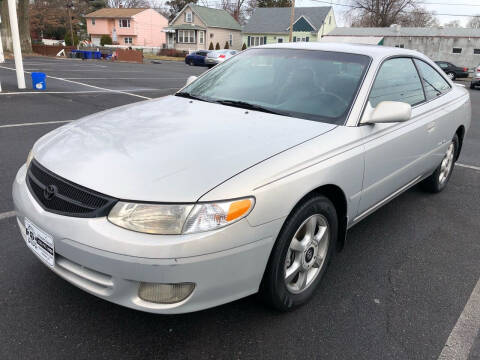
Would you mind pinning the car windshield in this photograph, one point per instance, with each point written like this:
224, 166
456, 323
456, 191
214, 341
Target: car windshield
308, 84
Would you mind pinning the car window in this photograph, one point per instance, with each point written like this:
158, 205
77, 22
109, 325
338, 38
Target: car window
314, 85
397, 80
202, 53
443, 65
433, 82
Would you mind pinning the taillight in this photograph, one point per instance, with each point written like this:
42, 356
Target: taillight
222, 56
465, 69
478, 69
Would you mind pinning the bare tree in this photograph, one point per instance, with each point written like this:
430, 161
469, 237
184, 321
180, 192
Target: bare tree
474, 22
453, 24
235, 8
383, 13
23, 25
128, 3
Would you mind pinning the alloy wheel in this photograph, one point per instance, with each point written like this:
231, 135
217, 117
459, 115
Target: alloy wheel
306, 254
447, 164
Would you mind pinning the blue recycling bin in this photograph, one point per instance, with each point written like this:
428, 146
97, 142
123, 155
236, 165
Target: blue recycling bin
39, 81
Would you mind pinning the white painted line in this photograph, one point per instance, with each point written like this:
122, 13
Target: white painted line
87, 91
92, 86
123, 78
461, 339
468, 166
35, 123
6, 215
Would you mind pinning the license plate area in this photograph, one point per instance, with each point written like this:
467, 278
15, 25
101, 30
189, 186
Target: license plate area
40, 243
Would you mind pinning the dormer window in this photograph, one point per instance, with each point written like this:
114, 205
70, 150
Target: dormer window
188, 17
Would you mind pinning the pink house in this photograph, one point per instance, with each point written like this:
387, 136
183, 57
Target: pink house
135, 27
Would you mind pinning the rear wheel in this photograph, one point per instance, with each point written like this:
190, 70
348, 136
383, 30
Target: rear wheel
472, 86
301, 254
439, 179
451, 75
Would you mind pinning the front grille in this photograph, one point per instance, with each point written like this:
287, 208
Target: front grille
63, 197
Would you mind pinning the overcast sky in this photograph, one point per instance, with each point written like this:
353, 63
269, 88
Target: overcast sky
467, 7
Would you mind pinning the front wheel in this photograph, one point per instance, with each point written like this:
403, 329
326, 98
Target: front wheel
451, 75
301, 254
440, 177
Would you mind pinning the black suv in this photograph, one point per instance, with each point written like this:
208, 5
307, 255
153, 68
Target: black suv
453, 71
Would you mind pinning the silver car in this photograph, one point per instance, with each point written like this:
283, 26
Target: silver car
218, 56
244, 181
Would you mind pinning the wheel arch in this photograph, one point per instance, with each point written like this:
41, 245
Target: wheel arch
460, 133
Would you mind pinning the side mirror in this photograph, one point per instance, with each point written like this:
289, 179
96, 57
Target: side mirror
191, 79
387, 112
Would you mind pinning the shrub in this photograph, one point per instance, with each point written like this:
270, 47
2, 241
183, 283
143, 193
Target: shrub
211, 46
68, 39
226, 45
217, 47
106, 40
172, 52
244, 46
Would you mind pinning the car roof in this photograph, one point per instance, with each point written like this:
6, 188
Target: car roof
374, 51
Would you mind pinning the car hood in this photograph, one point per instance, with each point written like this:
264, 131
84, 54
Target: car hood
170, 149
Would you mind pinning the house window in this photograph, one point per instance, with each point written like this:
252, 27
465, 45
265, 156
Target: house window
124, 23
230, 39
457, 50
402, 46
280, 40
476, 51
201, 37
128, 40
256, 40
188, 17
186, 36
93, 21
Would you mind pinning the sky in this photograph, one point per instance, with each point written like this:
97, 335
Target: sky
455, 7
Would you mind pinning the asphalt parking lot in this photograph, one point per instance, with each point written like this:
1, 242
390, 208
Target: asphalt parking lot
397, 291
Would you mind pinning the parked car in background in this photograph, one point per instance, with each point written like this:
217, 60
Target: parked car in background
476, 78
218, 56
452, 71
196, 58
246, 180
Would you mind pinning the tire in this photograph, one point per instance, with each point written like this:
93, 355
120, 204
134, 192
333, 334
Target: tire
451, 75
275, 289
472, 86
439, 179
191, 63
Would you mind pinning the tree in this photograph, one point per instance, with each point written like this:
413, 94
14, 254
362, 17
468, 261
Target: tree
474, 22
453, 24
383, 13
68, 39
217, 47
244, 46
106, 40
211, 46
174, 6
226, 45
274, 3
23, 26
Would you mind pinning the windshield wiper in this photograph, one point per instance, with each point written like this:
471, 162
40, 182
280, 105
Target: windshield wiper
188, 95
247, 105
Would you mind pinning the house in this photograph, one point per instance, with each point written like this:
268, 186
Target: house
130, 27
459, 46
195, 27
272, 25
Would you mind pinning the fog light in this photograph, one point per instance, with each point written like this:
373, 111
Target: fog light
165, 293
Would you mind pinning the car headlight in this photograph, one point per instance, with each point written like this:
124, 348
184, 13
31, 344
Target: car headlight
29, 158
168, 219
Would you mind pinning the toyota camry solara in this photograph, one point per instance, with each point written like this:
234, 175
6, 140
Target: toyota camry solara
244, 181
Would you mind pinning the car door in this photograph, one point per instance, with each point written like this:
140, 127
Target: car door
201, 57
396, 154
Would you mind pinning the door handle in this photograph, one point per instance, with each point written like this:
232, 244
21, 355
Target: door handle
431, 126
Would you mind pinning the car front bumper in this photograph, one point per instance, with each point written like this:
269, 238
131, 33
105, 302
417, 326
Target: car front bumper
85, 256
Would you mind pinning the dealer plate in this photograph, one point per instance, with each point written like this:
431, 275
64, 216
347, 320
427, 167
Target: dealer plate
40, 243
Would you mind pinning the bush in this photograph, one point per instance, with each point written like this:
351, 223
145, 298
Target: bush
211, 46
244, 46
68, 39
106, 40
226, 45
217, 47
172, 52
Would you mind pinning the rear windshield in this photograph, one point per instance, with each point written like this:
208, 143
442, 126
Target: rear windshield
308, 84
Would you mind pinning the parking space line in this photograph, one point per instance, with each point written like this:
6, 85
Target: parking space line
92, 86
123, 78
6, 215
468, 166
460, 341
35, 123
86, 91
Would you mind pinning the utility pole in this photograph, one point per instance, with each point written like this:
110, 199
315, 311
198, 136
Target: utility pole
69, 6
292, 17
2, 58
17, 49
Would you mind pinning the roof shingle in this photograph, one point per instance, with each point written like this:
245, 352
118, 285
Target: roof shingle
114, 13
216, 17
